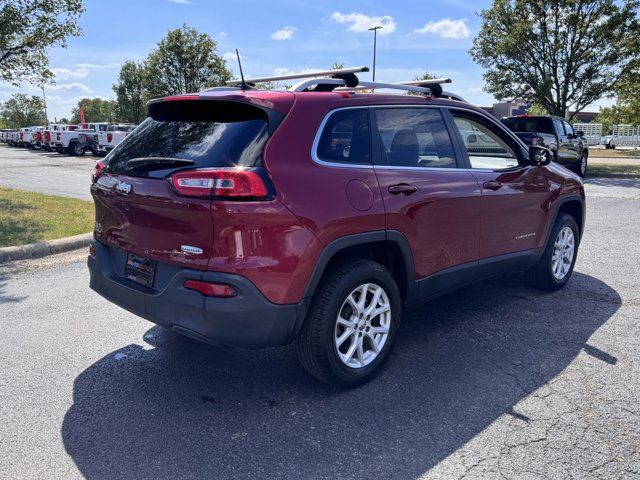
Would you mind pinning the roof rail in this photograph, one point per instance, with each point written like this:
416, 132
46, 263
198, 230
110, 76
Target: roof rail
345, 79
348, 74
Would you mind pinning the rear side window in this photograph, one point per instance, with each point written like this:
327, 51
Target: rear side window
414, 137
157, 147
345, 138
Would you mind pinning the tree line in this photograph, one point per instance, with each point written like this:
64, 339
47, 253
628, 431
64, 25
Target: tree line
560, 55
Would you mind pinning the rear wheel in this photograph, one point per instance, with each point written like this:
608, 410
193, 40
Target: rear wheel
581, 167
351, 324
556, 265
76, 149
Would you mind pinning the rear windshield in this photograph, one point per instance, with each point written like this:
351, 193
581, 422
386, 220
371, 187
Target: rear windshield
529, 124
156, 148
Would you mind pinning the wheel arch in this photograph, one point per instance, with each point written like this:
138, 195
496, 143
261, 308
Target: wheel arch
389, 248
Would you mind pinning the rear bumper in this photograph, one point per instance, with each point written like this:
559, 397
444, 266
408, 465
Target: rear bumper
247, 320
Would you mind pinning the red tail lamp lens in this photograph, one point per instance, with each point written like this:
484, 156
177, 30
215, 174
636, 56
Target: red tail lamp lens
211, 289
234, 183
109, 137
97, 171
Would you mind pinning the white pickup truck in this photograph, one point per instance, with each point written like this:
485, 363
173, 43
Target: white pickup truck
49, 135
108, 140
24, 137
69, 141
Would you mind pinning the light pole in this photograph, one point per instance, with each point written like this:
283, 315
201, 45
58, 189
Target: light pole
375, 38
44, 100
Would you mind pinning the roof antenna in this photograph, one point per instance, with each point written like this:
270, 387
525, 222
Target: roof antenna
244, 84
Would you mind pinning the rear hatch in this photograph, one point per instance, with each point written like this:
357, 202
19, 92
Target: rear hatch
151, 195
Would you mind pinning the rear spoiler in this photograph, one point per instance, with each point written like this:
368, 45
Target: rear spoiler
229, 108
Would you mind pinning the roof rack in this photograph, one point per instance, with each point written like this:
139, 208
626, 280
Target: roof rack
346, 74
345, 79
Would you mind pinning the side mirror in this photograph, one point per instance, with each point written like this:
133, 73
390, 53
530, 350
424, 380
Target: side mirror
580, 133
473, 138
540, 156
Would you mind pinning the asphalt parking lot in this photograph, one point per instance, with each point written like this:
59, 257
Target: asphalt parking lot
494, 381
46, 172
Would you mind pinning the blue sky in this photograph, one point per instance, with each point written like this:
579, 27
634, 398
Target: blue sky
273, 36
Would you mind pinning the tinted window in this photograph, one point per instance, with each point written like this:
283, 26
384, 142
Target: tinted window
414, 137
484, 146
204, 144
345, 138
559, 127
568, 128
529, 124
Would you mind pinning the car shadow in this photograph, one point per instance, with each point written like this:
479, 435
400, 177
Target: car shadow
180, 409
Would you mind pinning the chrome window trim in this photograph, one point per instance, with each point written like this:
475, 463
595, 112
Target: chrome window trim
324, 163
316, 142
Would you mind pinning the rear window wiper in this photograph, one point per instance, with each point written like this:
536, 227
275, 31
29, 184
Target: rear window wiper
156, 163
146, 160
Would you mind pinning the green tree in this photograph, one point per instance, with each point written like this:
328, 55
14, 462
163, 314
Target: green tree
23, 111
561, 54
95, 110
537, 109
130, 94
27, 29
425, 76
184, 61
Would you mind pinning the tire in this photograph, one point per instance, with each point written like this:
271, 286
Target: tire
581, 167
95, 152
543, 275
76, 149
317, 344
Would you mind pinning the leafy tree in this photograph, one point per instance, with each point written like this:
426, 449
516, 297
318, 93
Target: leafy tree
95, 110
626, 110
23, 111
130, 94
27, 29
3, 124
561, 54
537, 109
184, 61
425, 76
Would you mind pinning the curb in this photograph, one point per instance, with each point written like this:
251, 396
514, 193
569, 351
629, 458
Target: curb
42, 249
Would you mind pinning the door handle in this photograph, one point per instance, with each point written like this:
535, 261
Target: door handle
402, 189
492, 185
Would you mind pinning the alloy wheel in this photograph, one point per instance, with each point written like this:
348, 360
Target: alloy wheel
563, 253
362, 326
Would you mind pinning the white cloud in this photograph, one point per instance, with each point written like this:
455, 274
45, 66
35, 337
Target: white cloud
181, 2
447, 28
71, 86
285, 33
223, 34
231, 57
359, 22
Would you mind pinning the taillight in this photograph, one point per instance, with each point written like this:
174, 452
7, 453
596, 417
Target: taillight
21, 135
47, 136
97, 171
109, 137
211, 289
58, 135
233, 183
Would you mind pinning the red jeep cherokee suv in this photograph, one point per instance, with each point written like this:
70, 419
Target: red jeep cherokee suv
255, 218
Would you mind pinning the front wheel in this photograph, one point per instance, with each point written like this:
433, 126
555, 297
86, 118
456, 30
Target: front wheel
554, 269
351, 325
